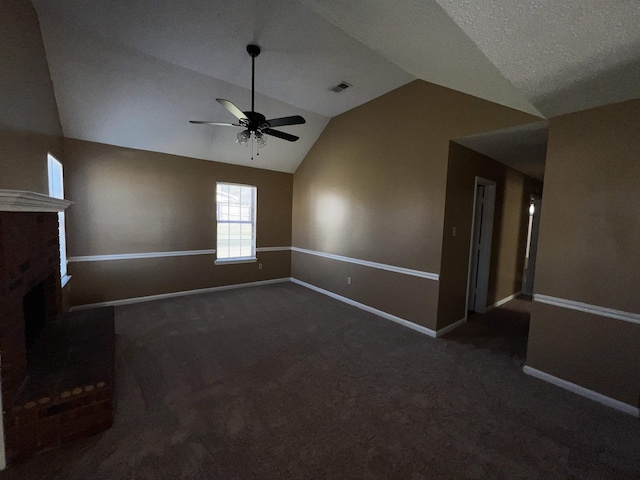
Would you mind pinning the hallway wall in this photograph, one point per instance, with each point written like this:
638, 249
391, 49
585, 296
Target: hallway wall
588, 253
509, 238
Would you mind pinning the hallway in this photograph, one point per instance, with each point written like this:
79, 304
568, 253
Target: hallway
503, 330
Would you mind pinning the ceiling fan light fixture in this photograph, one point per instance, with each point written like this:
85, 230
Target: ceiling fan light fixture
261, 139
243, 138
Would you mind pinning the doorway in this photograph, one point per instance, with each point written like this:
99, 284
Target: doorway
480, 250
535, 208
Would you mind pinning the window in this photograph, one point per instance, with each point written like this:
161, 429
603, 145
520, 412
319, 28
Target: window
56, 190
236, 216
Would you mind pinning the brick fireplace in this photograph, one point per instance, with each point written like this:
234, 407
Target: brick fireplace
56, 369
29, 261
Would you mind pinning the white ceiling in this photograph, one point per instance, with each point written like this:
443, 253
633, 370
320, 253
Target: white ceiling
112, 94
133, 72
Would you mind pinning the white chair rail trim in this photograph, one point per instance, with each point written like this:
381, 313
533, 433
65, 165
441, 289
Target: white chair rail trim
176, 253
587, 308
272, 249
367, 263
129, 256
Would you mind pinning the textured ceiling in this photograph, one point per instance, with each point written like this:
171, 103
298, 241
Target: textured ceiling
564, 56
133, 72
420, 37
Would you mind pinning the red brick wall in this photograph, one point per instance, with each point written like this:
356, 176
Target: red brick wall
65, 417
29, 255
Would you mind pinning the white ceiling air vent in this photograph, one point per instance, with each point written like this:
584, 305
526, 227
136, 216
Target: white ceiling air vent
340, 87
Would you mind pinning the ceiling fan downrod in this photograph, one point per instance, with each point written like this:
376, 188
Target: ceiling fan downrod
254, 51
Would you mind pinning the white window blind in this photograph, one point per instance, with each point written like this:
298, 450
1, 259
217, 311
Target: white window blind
56, 190
236, 218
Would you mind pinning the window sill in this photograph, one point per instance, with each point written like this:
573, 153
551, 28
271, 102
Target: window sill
231, 261
65, 280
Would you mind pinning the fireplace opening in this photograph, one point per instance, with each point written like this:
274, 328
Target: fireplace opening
35, 314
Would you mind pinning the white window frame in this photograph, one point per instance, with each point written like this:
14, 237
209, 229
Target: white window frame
56, 190
254, 208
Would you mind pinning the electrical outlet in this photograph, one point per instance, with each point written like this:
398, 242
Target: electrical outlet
454, 231
259, 266
348, 280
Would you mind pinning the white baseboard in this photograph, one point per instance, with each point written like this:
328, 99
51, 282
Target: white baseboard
367, 308
362, 306
582, 391
149, 298
450, 327
503, 301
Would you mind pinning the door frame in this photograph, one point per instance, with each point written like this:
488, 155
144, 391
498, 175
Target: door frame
486, 236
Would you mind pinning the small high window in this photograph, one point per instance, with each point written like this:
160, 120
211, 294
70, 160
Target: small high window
236, 218
56, 190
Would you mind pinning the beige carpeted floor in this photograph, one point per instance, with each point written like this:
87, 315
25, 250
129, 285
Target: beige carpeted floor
280, 382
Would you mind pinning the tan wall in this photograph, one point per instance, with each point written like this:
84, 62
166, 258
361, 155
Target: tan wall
95, 282
510, 224
29, 122
588, 251
373, 188
410, 296
598, 353
132, 201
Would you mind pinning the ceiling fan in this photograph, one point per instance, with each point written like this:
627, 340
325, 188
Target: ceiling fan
255, 124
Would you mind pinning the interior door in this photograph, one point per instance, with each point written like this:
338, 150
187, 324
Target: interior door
475, 247
480, 258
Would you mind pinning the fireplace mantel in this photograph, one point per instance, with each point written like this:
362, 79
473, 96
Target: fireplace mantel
23, 201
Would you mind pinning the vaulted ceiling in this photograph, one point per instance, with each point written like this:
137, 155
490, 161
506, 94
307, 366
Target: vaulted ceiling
132, 73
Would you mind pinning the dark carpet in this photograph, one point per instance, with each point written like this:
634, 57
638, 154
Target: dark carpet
280, 382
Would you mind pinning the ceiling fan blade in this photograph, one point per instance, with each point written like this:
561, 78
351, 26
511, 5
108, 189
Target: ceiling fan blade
281, 122
235, 111
203, 122
282, 135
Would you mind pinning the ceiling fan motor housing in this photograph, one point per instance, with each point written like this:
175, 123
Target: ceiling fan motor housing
256, 121
253, 50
